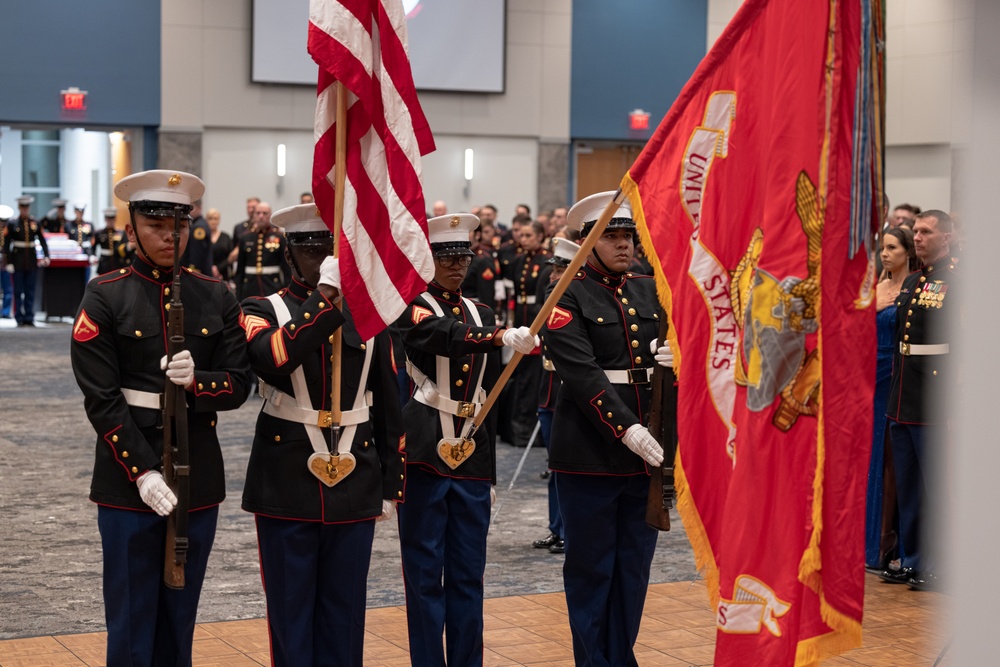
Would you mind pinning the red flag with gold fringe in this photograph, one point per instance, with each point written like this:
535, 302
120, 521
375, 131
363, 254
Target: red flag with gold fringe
756, 198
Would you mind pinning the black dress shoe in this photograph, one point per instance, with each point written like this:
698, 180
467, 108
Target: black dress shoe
924, 581
558, 548
547, 542
900, 576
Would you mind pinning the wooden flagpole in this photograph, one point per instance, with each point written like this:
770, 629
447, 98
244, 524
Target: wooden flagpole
339, 178
536, 325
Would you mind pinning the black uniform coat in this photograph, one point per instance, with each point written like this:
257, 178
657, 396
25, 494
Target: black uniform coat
198, 254
456, 336
278, 481
602, 322
82, 234
24, 230
480, 281
526, 272
118, 340
257, 250
923, 309
111, 246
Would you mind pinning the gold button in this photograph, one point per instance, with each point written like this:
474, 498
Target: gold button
909, 312
479, 335
619, 290
489, 335
166, 306
656, 316
934, 372
291, 327
625, 301
306, 315
459, 382
635, 343
600, 402
908, 325
166, 290
456, 310
123, 271
634, 327
138, 333
156, 274
331, 357
399, 493
124, 455
906, 337
609, 415
401, 477
213, 385
363, 346
465, 367
114, 438
226, 385
638, 360
331, 339
277, 438
619, 427
366, 443
211, 423
631, 311
322, 305
446, 295
309, 293
134, 470
204, 332
201, 386
600, 319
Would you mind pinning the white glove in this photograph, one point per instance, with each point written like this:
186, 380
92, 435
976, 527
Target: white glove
641, 441
664, 356
94, 259
329, 273
9, 268
154, 492
388, 510
180, 370
493, 495
499, 291
520, 339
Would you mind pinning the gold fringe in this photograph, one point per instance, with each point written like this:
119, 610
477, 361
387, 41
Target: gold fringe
704, 557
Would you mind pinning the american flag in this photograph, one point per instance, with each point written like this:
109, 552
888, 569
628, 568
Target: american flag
385, 258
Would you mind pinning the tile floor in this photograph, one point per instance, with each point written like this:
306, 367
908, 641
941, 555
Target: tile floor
677, 629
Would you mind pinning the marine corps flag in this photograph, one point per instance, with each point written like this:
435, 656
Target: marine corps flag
756, 200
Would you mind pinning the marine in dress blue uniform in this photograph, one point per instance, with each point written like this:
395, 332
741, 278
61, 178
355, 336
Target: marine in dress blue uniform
921, 377
22, 260
599, 336
55, 221
6, 286
452, 348
111, 246
261, 268
315, 540
118, 347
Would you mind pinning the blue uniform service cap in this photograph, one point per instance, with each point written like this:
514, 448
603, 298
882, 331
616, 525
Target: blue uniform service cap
449, 234
585, 213
6, 212
302, 225
563, 252
158, 191
25, 200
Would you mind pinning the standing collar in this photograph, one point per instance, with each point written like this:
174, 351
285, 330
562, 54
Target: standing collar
142, 267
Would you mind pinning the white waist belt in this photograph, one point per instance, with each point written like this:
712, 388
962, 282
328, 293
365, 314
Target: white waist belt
263, 270
530, 299
281, 405
630, 376
22, 244
104, 252
909, 350
143, 399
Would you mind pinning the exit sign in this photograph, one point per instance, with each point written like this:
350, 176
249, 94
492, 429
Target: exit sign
74, 99
638, 120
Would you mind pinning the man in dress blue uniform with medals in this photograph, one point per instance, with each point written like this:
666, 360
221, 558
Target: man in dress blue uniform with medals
118, 354
452, 347
22, 260
261, 268
316, 494
110, 245
600, 336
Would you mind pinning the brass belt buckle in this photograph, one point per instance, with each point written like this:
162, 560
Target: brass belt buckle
325, 419
466, 410
904, 349
638, 376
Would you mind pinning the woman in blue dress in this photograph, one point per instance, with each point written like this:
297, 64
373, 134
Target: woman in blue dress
898, 260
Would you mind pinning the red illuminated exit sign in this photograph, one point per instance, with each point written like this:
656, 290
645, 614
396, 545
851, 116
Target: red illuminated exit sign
638, 120
74, 99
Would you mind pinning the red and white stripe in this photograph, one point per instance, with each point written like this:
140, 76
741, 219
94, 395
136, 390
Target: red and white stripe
385, 258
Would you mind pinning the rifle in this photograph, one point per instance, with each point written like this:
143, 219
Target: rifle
176, 466
663, 426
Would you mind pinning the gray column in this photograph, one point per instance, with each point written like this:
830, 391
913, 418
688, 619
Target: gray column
553, 175
180, 151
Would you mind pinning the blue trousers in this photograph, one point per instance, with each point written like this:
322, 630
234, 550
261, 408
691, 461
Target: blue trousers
555, 518
316, 582
442, 534
908, 461
149, 624
24, 295
7, 287
609, 550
